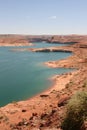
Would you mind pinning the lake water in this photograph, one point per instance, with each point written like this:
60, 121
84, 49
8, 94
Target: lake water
23, 75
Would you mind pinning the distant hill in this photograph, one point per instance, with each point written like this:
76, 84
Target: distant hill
10, 39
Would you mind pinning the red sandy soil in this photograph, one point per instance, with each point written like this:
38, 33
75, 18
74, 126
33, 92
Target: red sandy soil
46, 110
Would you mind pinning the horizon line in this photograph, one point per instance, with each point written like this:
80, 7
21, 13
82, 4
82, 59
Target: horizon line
43, 34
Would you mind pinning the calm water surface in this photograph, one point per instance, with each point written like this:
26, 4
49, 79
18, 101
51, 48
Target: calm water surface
22, 74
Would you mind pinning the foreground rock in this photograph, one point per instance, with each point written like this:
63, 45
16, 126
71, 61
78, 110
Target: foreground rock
63, 100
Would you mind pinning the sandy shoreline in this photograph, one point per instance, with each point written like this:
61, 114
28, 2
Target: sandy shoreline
58, 83
38, 104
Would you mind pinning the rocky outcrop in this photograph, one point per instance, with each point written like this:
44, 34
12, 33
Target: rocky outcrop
63, 100
51, 49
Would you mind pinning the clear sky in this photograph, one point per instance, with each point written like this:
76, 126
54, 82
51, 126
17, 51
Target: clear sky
43, 16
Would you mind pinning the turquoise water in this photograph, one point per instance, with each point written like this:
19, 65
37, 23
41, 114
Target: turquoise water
22, 74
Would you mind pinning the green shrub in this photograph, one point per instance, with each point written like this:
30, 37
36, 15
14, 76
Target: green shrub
76, 112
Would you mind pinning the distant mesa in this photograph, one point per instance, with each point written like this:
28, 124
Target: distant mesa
26, 40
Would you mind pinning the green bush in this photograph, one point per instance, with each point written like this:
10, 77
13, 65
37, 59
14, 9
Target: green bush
76, 112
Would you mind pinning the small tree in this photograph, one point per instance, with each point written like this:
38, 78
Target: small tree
76, 112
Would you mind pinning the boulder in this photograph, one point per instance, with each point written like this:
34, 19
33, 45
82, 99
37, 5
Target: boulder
63, 100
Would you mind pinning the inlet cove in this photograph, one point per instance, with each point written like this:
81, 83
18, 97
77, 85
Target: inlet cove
23, 73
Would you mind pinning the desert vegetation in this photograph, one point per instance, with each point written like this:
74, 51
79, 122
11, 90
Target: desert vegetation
76, 113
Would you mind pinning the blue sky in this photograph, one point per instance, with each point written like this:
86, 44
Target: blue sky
43, 16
